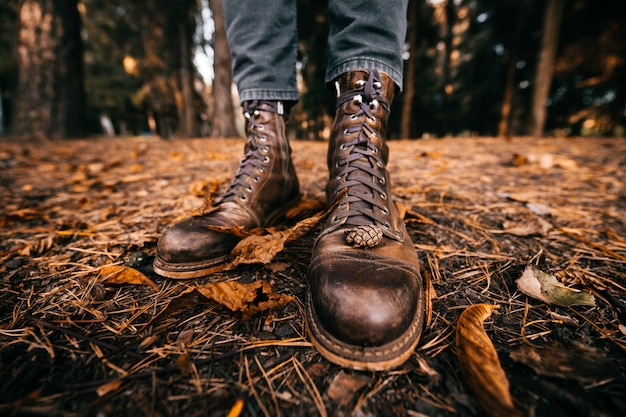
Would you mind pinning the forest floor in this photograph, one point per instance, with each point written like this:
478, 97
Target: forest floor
88, 329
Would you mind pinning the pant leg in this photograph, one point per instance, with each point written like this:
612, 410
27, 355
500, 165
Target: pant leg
262, 39
366, 34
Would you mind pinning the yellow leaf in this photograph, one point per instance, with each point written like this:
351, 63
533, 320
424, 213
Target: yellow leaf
237, 408
545, 287
480, 364
119, 275
108, 387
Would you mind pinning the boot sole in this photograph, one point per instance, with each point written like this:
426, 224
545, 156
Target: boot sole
202, 269
379, 358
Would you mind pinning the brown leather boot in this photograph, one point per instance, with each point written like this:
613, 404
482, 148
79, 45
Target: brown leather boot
366, 300
263, 187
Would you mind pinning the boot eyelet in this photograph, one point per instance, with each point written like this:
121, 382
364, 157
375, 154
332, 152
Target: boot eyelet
358, 99
353, 117
255, 179
338, 177
266, 159
334, 219
342, 147
249, 189
261, 127
378, 85
346, 132
387, 225
243, 198
263, 138
382, 181
374, 104
360, 84
371, 119
261, 170
379, 164
385, 211
383, 196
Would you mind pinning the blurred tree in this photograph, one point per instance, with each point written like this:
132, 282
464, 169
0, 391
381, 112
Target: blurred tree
8, 71
511, 58
223, 120
49, 98
409, 70
545, 64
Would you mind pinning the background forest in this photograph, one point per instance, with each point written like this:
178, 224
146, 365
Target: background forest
473, 67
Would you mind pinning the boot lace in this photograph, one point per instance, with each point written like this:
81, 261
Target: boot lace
257, 149
362, 169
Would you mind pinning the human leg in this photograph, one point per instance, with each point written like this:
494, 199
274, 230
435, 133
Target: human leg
263, 44
265, 183
366, 34
366, 299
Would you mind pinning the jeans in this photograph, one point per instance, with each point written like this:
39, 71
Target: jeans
262, 36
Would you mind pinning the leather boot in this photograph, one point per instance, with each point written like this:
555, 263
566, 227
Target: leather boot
264, 186
366, 300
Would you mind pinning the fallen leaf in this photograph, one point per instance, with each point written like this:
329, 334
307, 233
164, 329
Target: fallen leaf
237, 408
263, 248
345, 385
305, 207
111, 386
575, 361
535, 226
480, 364
248, 299
184, 364
120, 275
545, 287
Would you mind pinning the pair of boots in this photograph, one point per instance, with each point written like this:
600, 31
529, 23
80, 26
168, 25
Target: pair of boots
365, 302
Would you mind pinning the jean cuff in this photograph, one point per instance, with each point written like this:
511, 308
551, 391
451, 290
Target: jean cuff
364, 64
267, 94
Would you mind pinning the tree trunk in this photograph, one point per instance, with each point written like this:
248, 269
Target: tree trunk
223, 121
189, 125
545, 64
504, 127
409, 79
447, 70
49, 96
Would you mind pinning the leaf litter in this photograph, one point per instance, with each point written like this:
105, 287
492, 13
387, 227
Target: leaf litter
87, 328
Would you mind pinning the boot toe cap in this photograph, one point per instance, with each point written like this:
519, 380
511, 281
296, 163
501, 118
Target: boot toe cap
191, 241
365, 301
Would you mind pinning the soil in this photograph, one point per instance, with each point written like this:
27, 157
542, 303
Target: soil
479, 210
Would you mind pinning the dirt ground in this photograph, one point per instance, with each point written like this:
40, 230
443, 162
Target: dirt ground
479, 210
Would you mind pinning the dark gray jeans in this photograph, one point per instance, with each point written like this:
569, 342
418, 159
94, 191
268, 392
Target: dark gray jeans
262, 35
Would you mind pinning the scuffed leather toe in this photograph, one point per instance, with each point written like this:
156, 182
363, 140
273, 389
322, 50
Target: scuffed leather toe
364, 300
190, 241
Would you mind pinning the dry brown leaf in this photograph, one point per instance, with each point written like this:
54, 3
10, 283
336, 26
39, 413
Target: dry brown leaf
111, 386
120, 275
480, 364
575, 361
184, 364
263, 248
345, 385
248, 299
305, 207
535, 226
